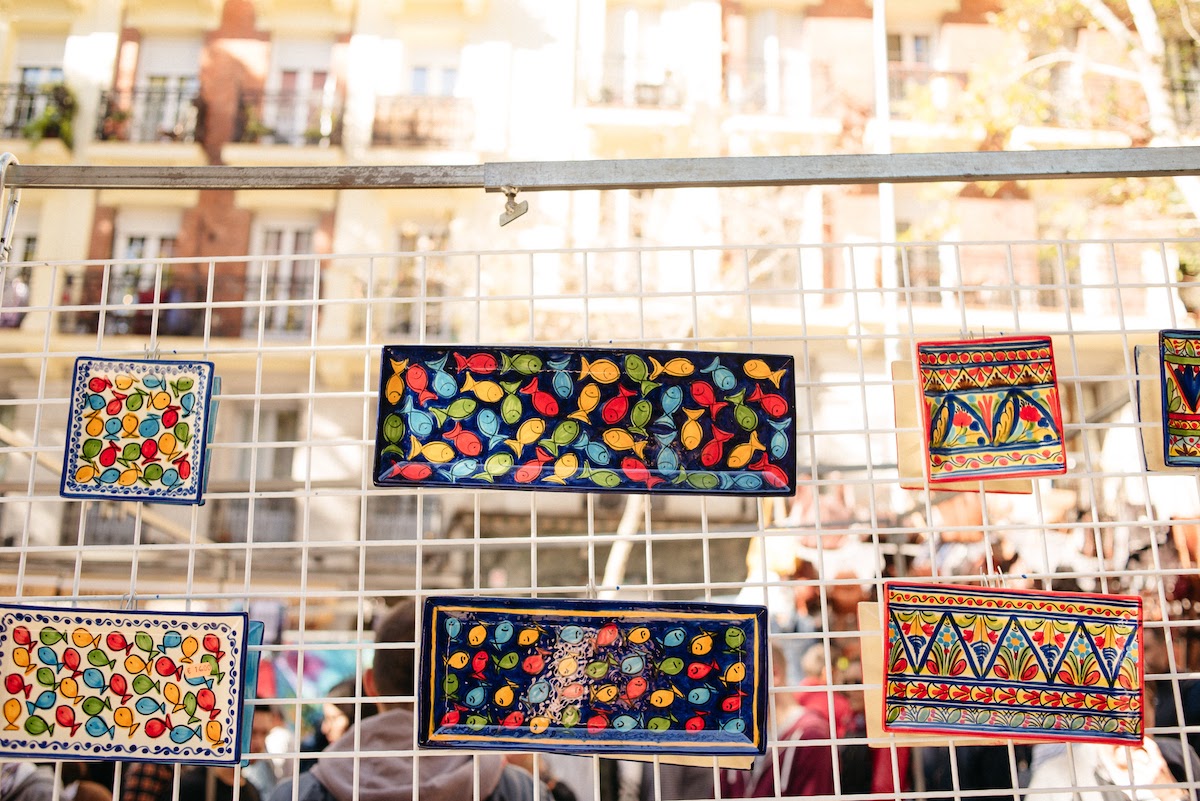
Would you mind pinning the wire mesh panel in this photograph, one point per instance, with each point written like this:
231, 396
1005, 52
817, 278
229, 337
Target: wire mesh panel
294, 531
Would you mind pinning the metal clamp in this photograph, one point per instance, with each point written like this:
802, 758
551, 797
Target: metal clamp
512, 209
10, 209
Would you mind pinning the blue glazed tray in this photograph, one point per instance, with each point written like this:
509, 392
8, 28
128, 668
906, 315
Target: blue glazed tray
128, 686
586, 420
1180, 359
593, 676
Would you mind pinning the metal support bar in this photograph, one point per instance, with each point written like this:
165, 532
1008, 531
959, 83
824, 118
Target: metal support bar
541, 176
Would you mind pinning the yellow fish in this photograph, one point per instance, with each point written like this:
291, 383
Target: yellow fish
69, 688
741, 455
129, 423
458, 660
639, 635
691, 433
564, 468
212, 730
702, 644
123, 717
394, 388
539, 724
528, 636
135, 664
678, 367
486, 391
567, 666
95, 426
82, 638
477, 634
757, 368
530, 431
663, 698
504, 696
438, 452
123, 382
735, 673
606, 693
621, 440
602, 370
589, 396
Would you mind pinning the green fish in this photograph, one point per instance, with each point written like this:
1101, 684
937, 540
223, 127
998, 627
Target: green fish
746, 417
525, 363
658, 724
97, 658
45, 677
134, 401
189, 706
635, 368
735, 638
597, 669
393, 428
671, 665
510, 409
143, 684
703, 481
642, 411
496, 465
92, 448
476, 722
569, 716
450, 685
131, 451
35, 726
564, 434
213, 666
95, 705
508, 661
183, 433
49, 636
153, 472
601, 478
461, 409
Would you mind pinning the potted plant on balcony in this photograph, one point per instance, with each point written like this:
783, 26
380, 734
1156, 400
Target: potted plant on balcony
56, 119
1188, 279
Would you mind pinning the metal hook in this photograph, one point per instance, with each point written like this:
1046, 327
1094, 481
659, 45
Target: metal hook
512, 209
10, 211
153, 351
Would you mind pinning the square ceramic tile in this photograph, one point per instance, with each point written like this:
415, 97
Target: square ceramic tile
137, 430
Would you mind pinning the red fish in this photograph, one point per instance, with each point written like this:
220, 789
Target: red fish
116, 642
696, 723
513, 719
478, 663
533, 664
532, 470
476, 363
65, 716
772, 404
15, 684
154, 727
698, 670
607, 635
99, 384
543, 401
773, 473
705, 395
614, 409
212, 644
637, 471
451, 718
597, 723
573, 691
418, 380
70, 659
467, 443
410, 471
715, 448
636, 687
165, 667
733, 703
119, 685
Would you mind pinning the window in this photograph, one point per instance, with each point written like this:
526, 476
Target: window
301, 102
1183, 79
415, 277
167, 85
141, 234
434, 81
274, 281
635, 72
910, 64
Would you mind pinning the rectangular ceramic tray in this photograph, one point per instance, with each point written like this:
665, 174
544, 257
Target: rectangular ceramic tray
1179, 353
128, 686
593, 676
586, 420
137, 430
1012, 663
991, 409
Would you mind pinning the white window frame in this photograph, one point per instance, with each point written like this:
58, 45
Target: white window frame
287, 278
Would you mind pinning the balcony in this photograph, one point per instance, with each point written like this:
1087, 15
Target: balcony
290, 117
151, 114
632, 82
921, 93
420, 121
21, 105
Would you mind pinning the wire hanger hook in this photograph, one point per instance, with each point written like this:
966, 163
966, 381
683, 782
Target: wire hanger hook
512, 209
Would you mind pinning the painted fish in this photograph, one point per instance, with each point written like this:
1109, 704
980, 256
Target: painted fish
420, 422
639, 416
774, 474
615, 408
489, 425
482, 363
703, 393
436, 452
678, 367
466, 442
744, 482
601, 478
543, 402
595, 451
774, 405
526, 363
691, 435
779, 440
621, 440
637, 472
459, 409
418, 381
602, 370
561, 382
532, 470
589, 397
758, 369
740, 456
530, 431
722, 377
714, 449
393, 390
442, 382
563, 435
486, 391
496, 465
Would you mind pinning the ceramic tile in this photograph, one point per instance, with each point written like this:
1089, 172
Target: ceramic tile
593, 676
1009, 663
587, 420
133, 686
1180, 376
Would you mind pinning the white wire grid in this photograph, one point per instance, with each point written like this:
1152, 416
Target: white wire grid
293, 523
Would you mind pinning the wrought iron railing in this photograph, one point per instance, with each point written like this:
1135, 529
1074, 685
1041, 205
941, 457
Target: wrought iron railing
631, 81
421, 121
151, 114
21, 104
290, 117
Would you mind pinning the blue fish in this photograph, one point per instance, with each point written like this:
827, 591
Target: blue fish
453, 627
489, 426
49, 658
148, 706
461, 469
444, 385
503, 633
538, 691
94, 679
96, 727
188, 402
740, 481
598, 452
735, 725
722, 377
476, 697
665, 438
668, 462
112, 427
150, 426
632, 664
181, 734
699, 696
626, 723
96, 402
172, 639
672, 399
198, 680
561, 382
419, 422
44, 701
674, 637
571, 634
152, 381
779, 440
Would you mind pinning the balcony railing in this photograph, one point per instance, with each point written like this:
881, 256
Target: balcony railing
920, 92
151, 114
637, 83
20, 104
421, 121
756, 87
289, 118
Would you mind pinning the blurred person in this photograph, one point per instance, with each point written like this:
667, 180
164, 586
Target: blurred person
803, 769
26, 781
812, 665
261, 772
337, 777
337, 718
980, 767
148, 781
